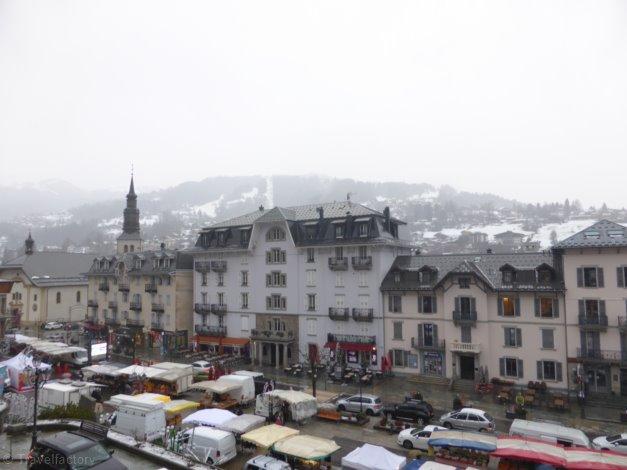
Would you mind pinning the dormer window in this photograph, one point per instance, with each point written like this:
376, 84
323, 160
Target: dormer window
339, 231
221, 238
310, 233
592, 234
544, 276
464, 282
397, 277
363, 230
138, 263
244, 237
614, 233
276, 234
508, 277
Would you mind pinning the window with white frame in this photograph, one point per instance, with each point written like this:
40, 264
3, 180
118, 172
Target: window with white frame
339, 279
245, 323
394, 303
275, 234
511, 367
513, 337
339, 231
244, 299
363, 251
203, 279
340, 300
220, 279
244, 278
275, 256
362, 278
311, 302
311, 255
427, 304
590, 276
339, 252
400, 358
276, 302
398, 330
547, 338
549, 370
363, 230
364, 301
310, 277
221, 298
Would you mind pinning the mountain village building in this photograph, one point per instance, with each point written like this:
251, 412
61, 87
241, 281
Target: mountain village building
47, 286
143, 297
296, 282
474, 316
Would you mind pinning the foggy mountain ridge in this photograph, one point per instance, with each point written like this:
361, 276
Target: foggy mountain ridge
176, 213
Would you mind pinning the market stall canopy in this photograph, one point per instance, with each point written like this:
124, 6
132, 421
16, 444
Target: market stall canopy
243, 423
149, 372
50, 348
98, 369
464, 440
140, 398
266, 436
22, 361
209, 417
583, 459
180, 406
307, 447
216, 386
291, 396
421, 464
371, 457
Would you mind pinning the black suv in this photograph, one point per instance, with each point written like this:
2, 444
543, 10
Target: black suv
413, 410
71, 451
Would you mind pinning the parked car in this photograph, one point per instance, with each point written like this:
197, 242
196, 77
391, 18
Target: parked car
209, 445
52, 325
416, 438
369, 404
201, 367
468, 418
55, 337
617, 442
71, 450
552, 432
265, 462
416, 411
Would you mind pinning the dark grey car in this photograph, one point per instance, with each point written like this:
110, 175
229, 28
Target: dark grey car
68, 450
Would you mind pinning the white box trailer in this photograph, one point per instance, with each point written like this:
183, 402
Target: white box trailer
53, 394
180, 375
143, 420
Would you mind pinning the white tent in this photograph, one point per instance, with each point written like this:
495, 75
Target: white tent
243, 423
20, 369
370, 457
209, 417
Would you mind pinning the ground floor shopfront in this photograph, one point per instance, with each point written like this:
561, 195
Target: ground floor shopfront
219, 345
353, 350
127, 340
279, 354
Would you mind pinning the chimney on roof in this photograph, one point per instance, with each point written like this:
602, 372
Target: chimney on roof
386, 217
320, 212
162, 246
29, 245
261, 208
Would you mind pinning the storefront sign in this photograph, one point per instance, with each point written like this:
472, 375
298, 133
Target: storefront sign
352, 339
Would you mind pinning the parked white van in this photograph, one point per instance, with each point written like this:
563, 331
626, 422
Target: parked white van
144, 421
549, 432
208, 445
64, 392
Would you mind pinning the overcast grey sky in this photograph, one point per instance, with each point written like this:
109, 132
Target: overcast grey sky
526, 99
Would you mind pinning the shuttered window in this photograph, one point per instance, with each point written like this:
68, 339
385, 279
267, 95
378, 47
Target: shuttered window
549, 370
548, 339
590, 277
511, 367
513, 337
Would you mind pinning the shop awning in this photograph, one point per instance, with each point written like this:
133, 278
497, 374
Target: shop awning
221, 341
267, 435
211, 340
350, 346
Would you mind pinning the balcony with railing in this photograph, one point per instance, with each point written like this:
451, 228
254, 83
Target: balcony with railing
103, 287
124, 286
622, 323
272, 335
218, 309
338, 264
210, 330
92, 303
363, 314
112, 321
361, 262
464, 348
218, 266
157, 325
593, 322
151, 287
113, 304
464, 318
202, 266
157, 307
430, 344
338, 313
134, 321
135, 305
604, 356
202, 309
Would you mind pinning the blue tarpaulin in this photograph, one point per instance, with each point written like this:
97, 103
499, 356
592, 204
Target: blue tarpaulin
462, 443
422, 464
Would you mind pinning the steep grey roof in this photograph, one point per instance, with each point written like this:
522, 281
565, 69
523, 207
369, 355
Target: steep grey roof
486, 266
179, 260
604, 233
53, 267
331, 210
509, 233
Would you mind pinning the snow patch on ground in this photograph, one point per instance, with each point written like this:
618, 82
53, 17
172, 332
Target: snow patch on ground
245, 196
269, 192
149, 220
210, 208
110, 222
563, 231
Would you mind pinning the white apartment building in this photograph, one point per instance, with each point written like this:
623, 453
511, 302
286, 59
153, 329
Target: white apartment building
286, 283
594, 266
470, 315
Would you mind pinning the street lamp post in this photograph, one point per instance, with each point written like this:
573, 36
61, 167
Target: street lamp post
36, 364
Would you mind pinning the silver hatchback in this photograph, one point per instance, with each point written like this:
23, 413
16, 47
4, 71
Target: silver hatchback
369, 404
468, 418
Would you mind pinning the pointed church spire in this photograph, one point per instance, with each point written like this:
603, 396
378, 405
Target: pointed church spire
29, 245
131, 190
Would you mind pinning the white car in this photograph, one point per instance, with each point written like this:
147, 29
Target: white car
617, 442
471, 419
200, 367
416, 438
53, 325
